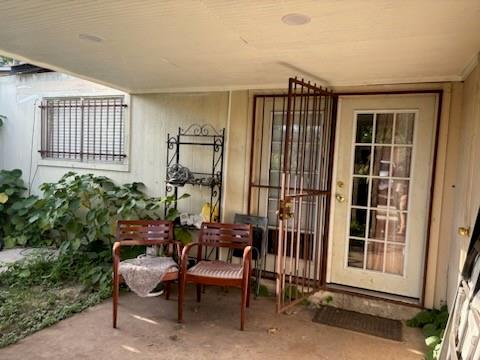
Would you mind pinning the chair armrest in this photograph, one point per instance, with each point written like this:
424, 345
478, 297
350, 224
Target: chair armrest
247, 261
178, 247
184, 258
116, 249
247, 255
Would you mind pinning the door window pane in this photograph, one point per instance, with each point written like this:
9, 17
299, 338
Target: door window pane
375, 255
402, 158
275, 178
358, 222
378, 224
364, 128
397, 226
399, 194
360, 192
404, 128
278, 129
384, 129
379, 193
381, 160
275, 156
394, 259
362, 160
356, 249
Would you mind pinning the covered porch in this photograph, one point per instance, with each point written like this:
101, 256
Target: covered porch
148, 330
390, 130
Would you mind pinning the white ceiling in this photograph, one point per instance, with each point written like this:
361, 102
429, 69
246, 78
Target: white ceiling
153, 45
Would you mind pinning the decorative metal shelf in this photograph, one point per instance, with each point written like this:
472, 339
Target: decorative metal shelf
205, 136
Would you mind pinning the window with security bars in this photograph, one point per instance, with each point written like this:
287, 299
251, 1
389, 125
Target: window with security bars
83, 128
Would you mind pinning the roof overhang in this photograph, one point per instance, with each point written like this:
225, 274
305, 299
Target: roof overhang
158, 46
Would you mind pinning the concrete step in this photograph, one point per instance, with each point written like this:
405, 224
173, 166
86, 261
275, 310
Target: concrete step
365, 305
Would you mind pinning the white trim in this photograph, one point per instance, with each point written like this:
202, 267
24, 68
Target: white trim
202, 89
472, 63
333, 191
281, 86
84, 165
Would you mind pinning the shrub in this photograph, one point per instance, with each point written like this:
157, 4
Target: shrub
80, 210
12, 189
78, 215
432, 323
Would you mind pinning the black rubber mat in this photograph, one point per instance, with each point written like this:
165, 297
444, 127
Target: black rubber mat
367, 324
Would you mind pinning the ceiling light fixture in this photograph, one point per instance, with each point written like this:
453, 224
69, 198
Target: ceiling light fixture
90, 37
295, 19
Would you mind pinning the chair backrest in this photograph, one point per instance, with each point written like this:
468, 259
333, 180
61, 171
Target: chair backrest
156, 232
217, 235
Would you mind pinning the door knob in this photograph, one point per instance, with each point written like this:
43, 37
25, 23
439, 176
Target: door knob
340, 198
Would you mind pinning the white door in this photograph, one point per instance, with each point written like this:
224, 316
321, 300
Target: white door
382, 179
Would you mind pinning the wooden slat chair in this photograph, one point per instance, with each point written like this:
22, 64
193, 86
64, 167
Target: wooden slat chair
143, 232
220, 273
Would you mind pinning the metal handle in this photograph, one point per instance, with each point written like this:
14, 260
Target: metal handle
284, 211
340, 198
464, 231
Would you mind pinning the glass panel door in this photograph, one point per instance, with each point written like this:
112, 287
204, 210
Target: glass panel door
383, 169
382, 160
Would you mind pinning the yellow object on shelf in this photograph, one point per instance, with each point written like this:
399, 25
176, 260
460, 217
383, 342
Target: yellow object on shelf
207, 214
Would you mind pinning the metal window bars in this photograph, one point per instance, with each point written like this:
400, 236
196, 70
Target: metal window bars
83, 128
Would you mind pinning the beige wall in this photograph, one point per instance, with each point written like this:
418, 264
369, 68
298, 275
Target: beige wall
151, 117
467, 179
237, 155
456, 196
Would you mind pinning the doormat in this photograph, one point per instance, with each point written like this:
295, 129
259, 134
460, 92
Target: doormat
367, 324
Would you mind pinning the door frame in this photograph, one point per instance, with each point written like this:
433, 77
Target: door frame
439, 94
326, 244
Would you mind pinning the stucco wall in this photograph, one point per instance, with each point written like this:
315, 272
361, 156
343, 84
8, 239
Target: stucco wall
467, 183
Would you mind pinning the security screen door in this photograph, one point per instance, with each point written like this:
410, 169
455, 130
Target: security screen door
305, 179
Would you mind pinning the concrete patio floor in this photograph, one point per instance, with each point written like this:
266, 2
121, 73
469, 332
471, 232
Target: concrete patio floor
148, 330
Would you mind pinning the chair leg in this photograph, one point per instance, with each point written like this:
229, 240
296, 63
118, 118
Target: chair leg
243, 306
181, 294
248, 291
199, 292
249, 279
167, 290
115, 296
259, 277
245, 296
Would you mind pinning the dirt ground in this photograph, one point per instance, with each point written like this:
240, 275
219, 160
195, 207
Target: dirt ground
148, 330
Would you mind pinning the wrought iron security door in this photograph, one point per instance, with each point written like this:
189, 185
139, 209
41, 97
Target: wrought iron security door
305, 179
